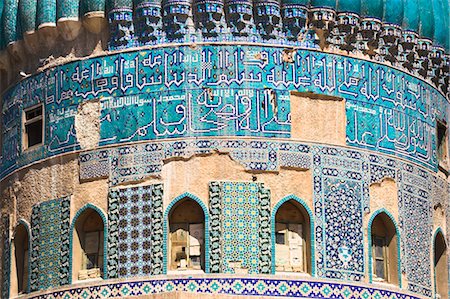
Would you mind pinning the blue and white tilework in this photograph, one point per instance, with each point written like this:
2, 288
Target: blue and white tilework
415, 205
6, 241
135, 162
239, 231
222, 91
135, 246
340, 197
49, 264
240, 226
252, 287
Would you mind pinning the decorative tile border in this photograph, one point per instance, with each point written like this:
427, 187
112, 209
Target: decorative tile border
135, 162
215, 227
253, 286
6, 255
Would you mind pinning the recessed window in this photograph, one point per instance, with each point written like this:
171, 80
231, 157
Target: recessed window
442, 149
88, 246
292, 252
440, 266
186, 237
379, 255
21, 255
33, 127
384, 250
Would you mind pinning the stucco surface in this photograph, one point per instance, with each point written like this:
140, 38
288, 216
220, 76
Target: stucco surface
318, 119
87, 124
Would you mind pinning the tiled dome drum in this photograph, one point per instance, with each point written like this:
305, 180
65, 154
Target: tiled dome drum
224, 149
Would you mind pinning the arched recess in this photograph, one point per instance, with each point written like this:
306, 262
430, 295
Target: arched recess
171, 227
88, 237
20, 259
440, 264
384, 248
288, 203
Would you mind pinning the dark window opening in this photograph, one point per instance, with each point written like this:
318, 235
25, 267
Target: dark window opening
33, 127
440, 266
384, 248
21, 250
441, 142
379, 254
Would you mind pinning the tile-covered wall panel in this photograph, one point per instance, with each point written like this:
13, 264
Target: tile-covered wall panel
340, 197
49, 263
6, 242
240, 228
135, 241
223, 91
415, 206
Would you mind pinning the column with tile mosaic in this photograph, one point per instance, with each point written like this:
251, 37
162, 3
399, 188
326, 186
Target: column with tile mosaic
49, 263
238, 227
340, 196
415, 204
5, 256
136, 231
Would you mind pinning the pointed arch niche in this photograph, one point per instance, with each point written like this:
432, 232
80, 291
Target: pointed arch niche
186, 236
88, 244
384, 252
291, 237
440, 264
20, 257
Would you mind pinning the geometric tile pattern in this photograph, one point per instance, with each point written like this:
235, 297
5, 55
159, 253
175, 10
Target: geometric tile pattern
340, 175
49, 264
252, 287
240, 228
94, 164
215, 227
265, 248
416, 207
233, 91
134, 162
339, 198
139, 231
5, 235
334, 168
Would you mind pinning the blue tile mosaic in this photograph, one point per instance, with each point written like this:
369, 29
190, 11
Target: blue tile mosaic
223, 91
339, 174
415, 207
252, 287
49, 263
5, 256
240, 227
340, 197
136, 232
